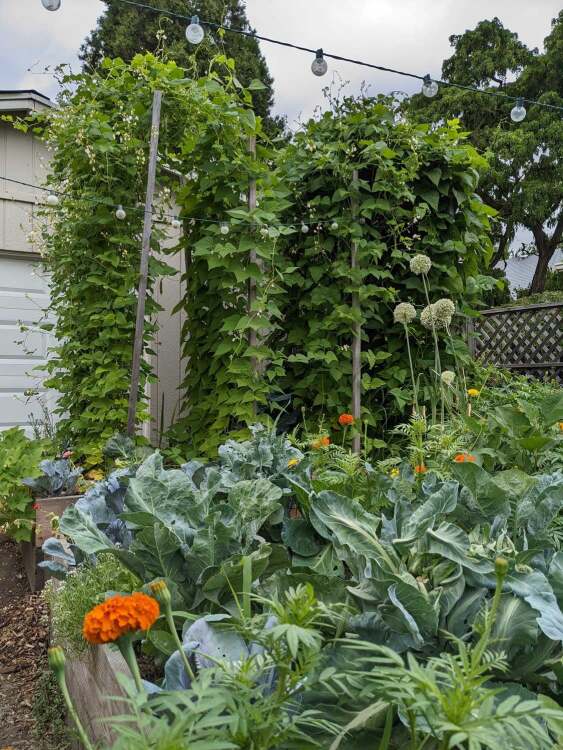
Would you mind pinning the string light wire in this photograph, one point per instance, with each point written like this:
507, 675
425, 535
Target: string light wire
340, 58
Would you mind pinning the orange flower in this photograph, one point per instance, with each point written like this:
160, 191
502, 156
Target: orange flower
345, 420
461, 458
320, 443
561, 426
325, 441
120, 615
420, 469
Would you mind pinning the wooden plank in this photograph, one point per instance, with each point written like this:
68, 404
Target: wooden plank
144, 267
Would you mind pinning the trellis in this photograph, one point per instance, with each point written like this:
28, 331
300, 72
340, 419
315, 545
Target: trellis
525, 339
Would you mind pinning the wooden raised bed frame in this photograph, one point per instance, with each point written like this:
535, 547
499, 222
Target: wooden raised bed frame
31, 551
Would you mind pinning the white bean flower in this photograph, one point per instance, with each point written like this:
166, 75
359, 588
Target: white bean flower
448, 377
420, 264
404, 313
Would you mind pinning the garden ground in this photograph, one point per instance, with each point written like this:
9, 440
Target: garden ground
24, 630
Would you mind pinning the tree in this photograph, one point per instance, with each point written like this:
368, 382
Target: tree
123, 30
525, 179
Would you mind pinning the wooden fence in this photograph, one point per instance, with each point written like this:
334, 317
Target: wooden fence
526, 339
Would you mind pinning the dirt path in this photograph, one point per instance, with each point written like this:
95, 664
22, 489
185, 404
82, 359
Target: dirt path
23, 648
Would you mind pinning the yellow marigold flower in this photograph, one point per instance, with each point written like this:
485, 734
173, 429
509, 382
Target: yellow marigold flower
292, 462
472, 392
394, 473
118, 616
561, 426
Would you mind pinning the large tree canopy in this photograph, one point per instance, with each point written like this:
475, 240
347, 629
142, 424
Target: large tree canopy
525, 180
124, 30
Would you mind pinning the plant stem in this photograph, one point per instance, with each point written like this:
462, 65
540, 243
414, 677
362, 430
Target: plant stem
125, 645
84, 739
246, 586
414, 386
177, 641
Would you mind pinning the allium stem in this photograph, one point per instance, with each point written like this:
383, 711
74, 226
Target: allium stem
414, 386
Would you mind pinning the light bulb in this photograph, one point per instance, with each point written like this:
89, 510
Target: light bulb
51, 4
194, 32
304, 228
334, 226
52, 199
319, 65
176, 223
518, 112
120, 213
224, 229
429, 87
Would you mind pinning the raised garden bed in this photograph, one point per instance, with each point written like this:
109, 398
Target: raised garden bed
47, 507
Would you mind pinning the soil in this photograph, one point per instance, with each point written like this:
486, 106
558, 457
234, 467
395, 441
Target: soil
24, 631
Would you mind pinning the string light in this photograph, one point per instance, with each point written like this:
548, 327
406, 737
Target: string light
341, 58
319, 66
176, 223
120, 213
304, 228
51, 4
429, 87
52, 199
518, 112
194, 32
224, 228
334, 226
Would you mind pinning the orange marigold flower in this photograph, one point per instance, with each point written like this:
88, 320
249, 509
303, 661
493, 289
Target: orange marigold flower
345, 420
120, 615
325, 441
420, 469
461, 458
561, 426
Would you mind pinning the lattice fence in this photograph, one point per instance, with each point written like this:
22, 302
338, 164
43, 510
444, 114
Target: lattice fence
526, 339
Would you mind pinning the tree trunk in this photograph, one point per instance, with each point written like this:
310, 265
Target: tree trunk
544, 256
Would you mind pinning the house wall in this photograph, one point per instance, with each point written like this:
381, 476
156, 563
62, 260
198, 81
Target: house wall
24, 296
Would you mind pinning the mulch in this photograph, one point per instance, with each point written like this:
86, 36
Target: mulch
24, 632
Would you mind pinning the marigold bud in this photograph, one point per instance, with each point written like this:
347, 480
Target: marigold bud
501, 567
161, 592
56, 659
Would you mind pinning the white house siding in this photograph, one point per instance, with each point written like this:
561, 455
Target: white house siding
24, 288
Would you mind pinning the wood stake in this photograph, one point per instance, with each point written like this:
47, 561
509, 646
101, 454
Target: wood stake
144, 267
356, 341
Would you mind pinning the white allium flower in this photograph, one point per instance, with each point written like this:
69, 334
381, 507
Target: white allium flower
420, 264
428, 318
404, 313
445, 309
448, 377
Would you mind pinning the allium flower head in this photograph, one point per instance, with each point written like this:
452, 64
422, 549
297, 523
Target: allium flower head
444, 310
448, 377
118, 616
428, 317
420, 264
404, 313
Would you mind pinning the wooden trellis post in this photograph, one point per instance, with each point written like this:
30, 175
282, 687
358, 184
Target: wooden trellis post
253, 257
356, 338
144, 266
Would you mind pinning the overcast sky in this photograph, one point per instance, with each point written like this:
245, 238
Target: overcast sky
408, 34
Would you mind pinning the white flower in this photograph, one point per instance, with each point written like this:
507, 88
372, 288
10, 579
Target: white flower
444, 309
448, 377
404, 313
420, 264
428, 317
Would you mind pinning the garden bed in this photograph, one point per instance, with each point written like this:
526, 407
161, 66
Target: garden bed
47, 508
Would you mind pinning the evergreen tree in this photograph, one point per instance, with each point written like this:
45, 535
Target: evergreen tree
123, 30
524, 182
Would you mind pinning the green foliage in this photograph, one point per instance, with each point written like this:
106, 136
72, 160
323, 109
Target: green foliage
415, 193
523, 182
81, 591
19, 460
123, 31
50, 731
